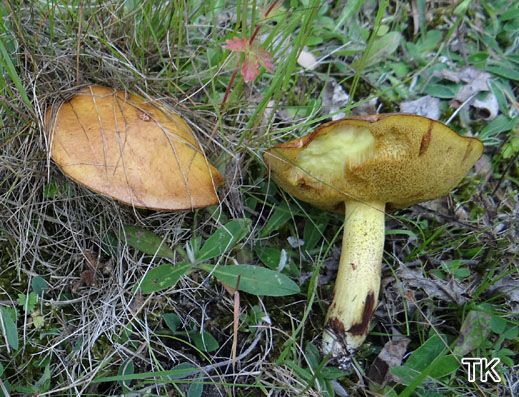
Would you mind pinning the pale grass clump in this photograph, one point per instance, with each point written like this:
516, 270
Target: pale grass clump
51, 227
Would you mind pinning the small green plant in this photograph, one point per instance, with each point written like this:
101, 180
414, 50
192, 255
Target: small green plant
8, 317
315, 373
28, 303
42, 385
203, 340
455, 268
252, 279
430, 362
438, 359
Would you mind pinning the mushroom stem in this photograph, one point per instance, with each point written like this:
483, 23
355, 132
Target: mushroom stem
358, 280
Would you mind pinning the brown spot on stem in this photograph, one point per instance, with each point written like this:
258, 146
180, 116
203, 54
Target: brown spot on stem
337, 326
353, 266
361, 328
426, 139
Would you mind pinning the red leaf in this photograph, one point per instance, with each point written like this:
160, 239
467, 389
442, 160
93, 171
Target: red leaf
254, 57
249, 69
237, 44
265, 59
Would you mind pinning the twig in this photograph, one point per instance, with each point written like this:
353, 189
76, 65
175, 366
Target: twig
257, 28
228, 88
236, 322
78, 47
251, 347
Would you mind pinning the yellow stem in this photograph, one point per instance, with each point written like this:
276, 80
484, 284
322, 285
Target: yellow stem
358, 280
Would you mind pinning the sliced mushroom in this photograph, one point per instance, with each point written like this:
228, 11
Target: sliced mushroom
122, 146
363, 165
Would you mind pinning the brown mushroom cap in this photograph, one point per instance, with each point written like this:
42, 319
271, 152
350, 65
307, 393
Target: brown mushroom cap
407, 159
121, 146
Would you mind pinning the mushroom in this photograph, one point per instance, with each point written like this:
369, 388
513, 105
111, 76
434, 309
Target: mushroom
362, 166
122, 146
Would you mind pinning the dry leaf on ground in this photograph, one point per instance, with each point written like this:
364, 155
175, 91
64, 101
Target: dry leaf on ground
450, 291
427, 106
509, 287
474, 331
389, 357
483, 167
307, 60
486, 108
475, 81
334, 98
366, 108
94, 270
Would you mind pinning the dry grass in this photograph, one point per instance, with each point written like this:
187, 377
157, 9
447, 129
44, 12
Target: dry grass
51, 237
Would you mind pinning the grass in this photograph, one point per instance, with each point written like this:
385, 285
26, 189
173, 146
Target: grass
62, 336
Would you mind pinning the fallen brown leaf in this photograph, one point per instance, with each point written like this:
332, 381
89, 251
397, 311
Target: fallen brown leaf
426, 106
389, 357
474, 330
450, 290
508, 287
334, 98
94, 269
475, 81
